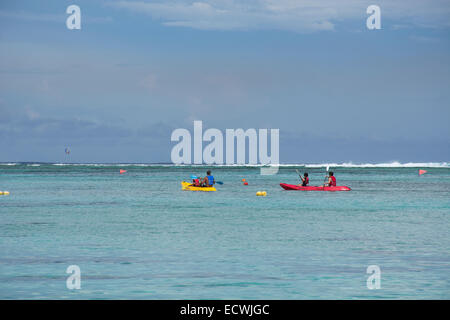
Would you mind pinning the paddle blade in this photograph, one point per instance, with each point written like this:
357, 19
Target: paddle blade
219, 182
421, 172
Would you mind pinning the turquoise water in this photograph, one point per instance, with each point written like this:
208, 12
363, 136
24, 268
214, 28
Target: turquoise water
138, 236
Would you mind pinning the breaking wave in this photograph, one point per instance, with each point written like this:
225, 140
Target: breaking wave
393, 164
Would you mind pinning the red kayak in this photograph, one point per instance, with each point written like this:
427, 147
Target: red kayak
313, 188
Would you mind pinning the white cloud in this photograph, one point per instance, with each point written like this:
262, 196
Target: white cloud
232, 15
292, 15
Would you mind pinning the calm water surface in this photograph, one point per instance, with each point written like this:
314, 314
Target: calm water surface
138, 236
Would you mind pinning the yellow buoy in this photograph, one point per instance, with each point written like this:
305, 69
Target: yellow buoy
258, 193
264, 193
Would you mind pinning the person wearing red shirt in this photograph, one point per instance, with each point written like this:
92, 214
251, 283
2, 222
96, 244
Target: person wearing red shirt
305, 179
331, 180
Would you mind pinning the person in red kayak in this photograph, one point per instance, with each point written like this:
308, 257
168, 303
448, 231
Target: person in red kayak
331, 180
305, 179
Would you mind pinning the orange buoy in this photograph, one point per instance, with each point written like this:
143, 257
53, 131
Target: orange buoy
122, 171
422, 172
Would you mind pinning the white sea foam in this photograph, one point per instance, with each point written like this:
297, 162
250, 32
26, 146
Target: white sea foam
115, 164
393, 164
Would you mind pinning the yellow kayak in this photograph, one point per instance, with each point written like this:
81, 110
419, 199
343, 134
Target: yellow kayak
189, 187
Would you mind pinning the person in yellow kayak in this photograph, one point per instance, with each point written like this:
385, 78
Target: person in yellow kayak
208, 181
196, 182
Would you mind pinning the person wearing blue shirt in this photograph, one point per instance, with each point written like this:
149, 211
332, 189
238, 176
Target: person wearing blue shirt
208, 181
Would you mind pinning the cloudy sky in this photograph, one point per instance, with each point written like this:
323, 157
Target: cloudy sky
114, 90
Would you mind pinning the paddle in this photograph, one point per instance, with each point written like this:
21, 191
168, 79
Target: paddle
299, 174
325, 180
195, 177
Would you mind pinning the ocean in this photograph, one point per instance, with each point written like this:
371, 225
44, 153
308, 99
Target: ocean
137, 235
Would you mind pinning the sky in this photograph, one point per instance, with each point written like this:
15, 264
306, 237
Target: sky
116, 89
